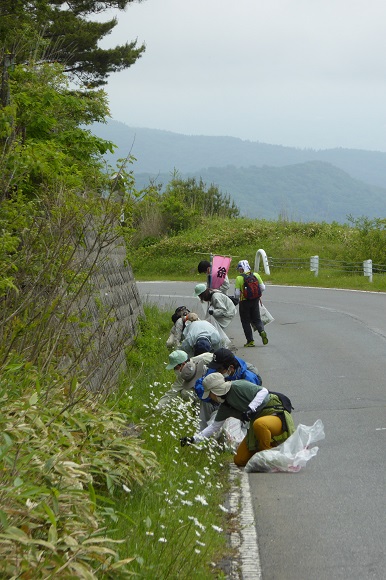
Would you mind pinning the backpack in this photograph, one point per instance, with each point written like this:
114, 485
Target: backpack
285, 401
251, 288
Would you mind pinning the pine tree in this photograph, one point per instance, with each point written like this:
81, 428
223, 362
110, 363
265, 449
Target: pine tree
61, 32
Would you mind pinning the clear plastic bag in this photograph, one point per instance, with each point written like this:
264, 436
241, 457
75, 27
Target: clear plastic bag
225, 340
265, 315
291, 455
234, 432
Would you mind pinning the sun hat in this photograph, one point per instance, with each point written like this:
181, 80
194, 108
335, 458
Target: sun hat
192, 317
216, 384
244, 264
191, 372
222, 358
176, 357
199, 289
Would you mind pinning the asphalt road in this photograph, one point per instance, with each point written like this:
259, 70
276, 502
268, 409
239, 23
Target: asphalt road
327, 352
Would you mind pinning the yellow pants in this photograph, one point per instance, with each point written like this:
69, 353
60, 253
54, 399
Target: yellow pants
264, 428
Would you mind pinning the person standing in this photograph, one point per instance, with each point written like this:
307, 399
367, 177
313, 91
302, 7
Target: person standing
204, 267
249, 308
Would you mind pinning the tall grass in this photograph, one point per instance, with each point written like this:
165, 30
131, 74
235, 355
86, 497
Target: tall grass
177, 256
174, 525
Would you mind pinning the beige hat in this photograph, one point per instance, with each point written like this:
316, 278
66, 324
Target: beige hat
191, 372
192, 316
216, 384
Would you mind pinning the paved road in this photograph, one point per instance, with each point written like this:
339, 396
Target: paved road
327, 351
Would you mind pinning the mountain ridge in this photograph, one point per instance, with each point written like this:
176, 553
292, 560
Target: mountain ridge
264, 180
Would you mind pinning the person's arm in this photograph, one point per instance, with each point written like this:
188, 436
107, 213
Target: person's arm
253, 406
179, 327
238, 286
259, 399
225, 285
199, 389
208, 431
261, 283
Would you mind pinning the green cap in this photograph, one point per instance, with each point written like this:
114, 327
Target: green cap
176, 357
199, 289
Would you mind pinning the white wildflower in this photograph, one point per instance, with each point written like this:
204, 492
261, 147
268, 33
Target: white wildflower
126, 489
201, 499
163, 540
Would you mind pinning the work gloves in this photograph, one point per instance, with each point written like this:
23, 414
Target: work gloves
247, 415
186, 441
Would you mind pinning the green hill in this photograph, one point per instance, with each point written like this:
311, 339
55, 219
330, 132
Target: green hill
312, 191
265, 181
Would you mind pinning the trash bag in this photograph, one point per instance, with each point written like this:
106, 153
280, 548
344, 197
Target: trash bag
291, 455
265, 315
225, 340
234, 432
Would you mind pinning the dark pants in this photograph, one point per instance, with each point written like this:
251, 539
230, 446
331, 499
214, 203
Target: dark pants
250, 314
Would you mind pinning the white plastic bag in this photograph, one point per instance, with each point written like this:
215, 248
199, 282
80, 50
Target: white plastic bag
291, 455
234, 432
265, 315
225, 340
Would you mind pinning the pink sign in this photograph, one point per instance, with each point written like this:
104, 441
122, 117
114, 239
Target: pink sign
220, 267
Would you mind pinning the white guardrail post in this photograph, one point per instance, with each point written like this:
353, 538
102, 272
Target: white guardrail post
261, 254
368, 269
314, 264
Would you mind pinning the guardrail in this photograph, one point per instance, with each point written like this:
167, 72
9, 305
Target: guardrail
315, 263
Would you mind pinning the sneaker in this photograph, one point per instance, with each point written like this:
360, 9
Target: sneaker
250, 343
264, 337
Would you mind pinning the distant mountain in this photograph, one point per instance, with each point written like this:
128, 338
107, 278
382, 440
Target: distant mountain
264, 180
312, 191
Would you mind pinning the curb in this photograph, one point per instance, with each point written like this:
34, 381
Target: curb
246, 565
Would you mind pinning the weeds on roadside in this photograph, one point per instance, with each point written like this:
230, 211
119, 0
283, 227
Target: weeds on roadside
174, 525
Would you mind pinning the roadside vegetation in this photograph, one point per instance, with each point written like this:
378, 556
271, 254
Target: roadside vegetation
342, 248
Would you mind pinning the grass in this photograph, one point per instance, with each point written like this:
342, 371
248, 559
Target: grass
174, 526
176, 257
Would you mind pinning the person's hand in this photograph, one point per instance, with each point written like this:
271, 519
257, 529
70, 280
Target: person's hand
247, 415
210, 310
186, 441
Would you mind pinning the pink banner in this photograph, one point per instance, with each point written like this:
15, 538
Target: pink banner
220, 267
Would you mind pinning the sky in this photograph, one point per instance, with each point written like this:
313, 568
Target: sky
300, 73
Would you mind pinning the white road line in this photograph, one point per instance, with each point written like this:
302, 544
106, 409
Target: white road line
245, 539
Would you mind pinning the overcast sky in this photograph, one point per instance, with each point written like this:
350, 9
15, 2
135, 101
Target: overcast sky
303, 73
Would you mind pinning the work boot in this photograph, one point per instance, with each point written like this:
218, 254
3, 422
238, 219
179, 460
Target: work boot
264, 337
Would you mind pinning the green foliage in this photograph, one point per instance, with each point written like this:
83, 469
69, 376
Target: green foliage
369, 240
62, 32
43, 141
183, 205
57, 458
